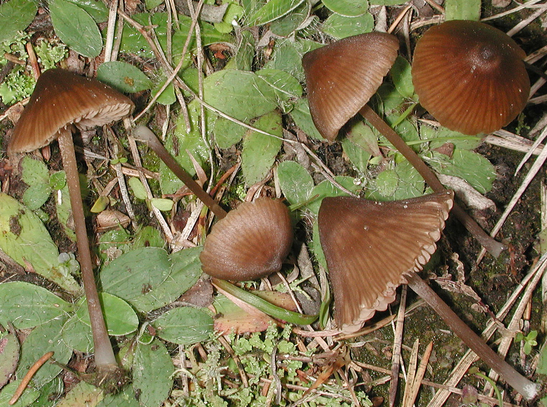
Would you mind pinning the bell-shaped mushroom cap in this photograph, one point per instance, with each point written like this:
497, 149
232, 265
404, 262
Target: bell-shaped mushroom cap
370, 246
249, 243
470, 76
60, 99
343, 76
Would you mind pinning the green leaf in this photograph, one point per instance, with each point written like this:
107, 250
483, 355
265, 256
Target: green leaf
83, 394
462, 10
184, 325
25, 239
149, 278
402, 77
36, 175
348, 8
295, 181
15, 15
239, 94
75, 27
227, 133
327, 189
96, 9
77, 335
356, 154
124, 398
387, 2
152, 373
114, 243
285, 85
288, 24
35, 196
163, 204
43, 339
148, 236
29, 396
339, 26
123, 77
259, 150
119, 316
64, 212
137, 187
9, 356
27, 305
273, 10
302, 117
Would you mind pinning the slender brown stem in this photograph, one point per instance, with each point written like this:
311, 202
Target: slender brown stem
146, 135
520, 383
494, 247
104, 355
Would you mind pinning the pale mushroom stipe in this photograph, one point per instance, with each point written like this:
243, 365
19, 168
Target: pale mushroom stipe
61, 100
373, 247
342, 77
470, 76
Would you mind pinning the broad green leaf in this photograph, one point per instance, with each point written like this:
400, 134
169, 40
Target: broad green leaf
152, 373
113, 244
167, 97
149, 278
25, 239
43, 339
387, 2
295, 181
63, 209
470, 166
150, 4
119, 316
339, 26
83, 394
442, 135
34, 172
75, 27
137, 187
182, 143
259, 150
288, 54
15, 15
245, 51
9, 356
124, 398
36, 195
462, 10
348, 8
285, 86
95, 8
239, 94
402, 77
302, 117
77, 335
365, 137
123, 77
273, 10
234, 12
227, 133
148, 236
358, 156
163, 204
27, 305
288, 24
184, 325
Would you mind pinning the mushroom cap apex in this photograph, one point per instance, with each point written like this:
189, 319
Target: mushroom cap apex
61, 99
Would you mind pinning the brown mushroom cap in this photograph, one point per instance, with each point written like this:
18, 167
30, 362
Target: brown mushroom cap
370, 246
250, 242
62, 98
470, 76
343, 76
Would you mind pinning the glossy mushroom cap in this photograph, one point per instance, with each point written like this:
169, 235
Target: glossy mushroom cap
370, 246
470, 76
60, 99
343, 76
250, 242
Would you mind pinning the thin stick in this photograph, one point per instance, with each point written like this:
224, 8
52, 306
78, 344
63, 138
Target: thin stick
495, 248
397, 345
30, 374
521, 384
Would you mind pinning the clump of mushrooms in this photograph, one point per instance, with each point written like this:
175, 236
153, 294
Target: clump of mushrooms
61, 100
470, 76
373, 247
342, 77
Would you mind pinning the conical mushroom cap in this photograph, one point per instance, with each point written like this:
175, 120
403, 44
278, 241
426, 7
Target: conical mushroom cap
370, 246
342, 77
470, 76
250, 242
60, 99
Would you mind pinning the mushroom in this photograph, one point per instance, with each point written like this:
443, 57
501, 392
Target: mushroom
251, 242
341, 78
373, 247
61, 100
470, 76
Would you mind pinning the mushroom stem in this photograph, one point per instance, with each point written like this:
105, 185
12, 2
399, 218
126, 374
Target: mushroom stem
492, 246
146, 135
104, 355
520, 383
